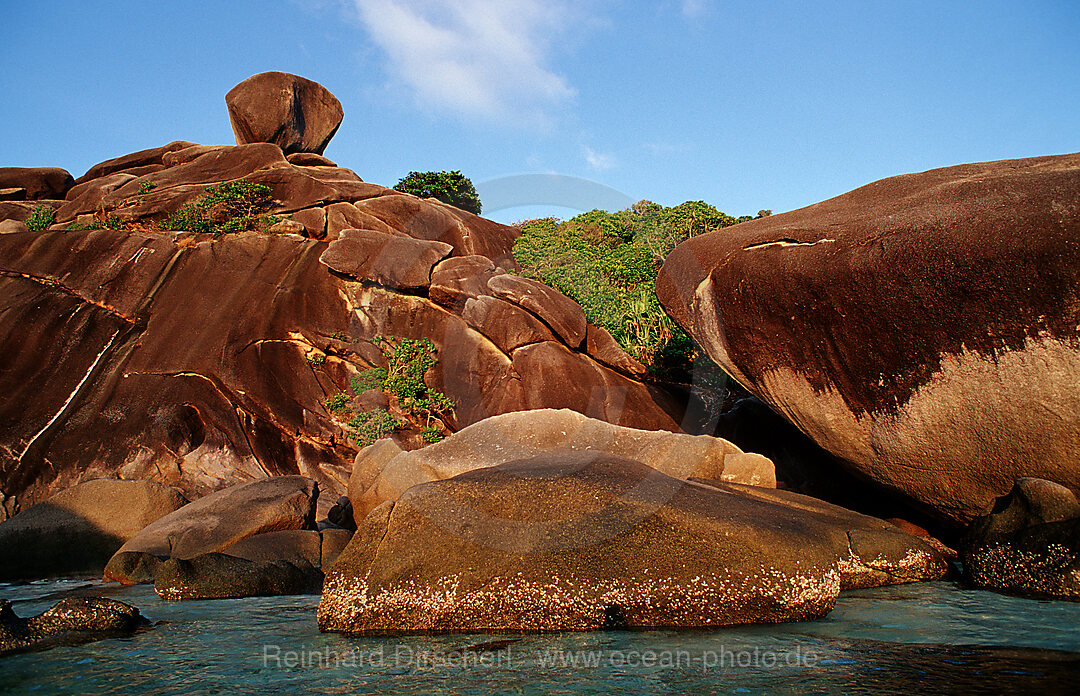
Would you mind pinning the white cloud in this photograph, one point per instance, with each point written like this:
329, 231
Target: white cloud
692, 9
599, 161
485, 59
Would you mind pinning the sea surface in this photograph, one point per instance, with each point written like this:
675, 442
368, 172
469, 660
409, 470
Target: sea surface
924, 638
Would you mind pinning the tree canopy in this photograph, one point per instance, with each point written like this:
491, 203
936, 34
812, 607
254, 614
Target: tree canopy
449, 187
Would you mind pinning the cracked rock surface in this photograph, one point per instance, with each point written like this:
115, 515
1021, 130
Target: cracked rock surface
199, 362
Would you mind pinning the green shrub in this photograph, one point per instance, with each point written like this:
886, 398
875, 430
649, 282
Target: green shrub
110, 223
316, 360
449, 187
234, 206
40, 218
407, 361
369, 426
372, 378
337, 402
608, 262
146, 187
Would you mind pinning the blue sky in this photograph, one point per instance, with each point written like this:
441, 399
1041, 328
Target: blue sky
746, 105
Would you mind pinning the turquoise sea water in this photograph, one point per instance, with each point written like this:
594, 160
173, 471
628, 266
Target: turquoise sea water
932, 638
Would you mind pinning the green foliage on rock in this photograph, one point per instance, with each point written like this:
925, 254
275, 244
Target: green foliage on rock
234, 206
40, 218
608, 263
369, 426
337, 403
111, 222
449, 187
407, 362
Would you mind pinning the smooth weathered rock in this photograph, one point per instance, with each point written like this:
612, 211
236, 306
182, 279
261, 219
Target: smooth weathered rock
383, 472
293, 545
220, 576
217, 521
603, 347
294, 113
436, 221
12, 193
134, 160
70, 621
507, 325
1029, 544
13, 227
553, 376
396, 262
459, 278
39, 182
563, 315
921, 328
585, 540
309, 159
76, 531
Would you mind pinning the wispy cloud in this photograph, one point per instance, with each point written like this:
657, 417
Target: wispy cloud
483, 59
597, 160
692, 9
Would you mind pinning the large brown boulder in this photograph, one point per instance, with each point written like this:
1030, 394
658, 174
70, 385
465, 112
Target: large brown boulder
585, 540
922, 328
217, 521
383, 472
37, 182
76, 531
296, 114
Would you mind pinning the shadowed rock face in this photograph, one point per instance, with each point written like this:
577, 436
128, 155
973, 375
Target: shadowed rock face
923, 328
77, 530
584, 540
194, 361
1029, 544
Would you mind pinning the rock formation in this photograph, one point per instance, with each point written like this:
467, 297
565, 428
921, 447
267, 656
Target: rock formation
586, 540
1029, 544
217, 521
923, 328
199, 361
383, 471
76, 531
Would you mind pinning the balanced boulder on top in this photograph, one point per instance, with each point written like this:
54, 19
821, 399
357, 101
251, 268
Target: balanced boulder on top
292, 112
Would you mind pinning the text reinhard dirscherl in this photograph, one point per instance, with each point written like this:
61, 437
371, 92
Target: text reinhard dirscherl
403, 656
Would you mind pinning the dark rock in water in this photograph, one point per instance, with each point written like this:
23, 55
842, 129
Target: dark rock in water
220, 576
296, 114
38, 182
69, 621
584, 540
217, 521
77, 530
1029, 544
921, 328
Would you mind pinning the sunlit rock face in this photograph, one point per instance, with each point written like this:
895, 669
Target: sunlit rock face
587, 540
201, 361
924, 328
